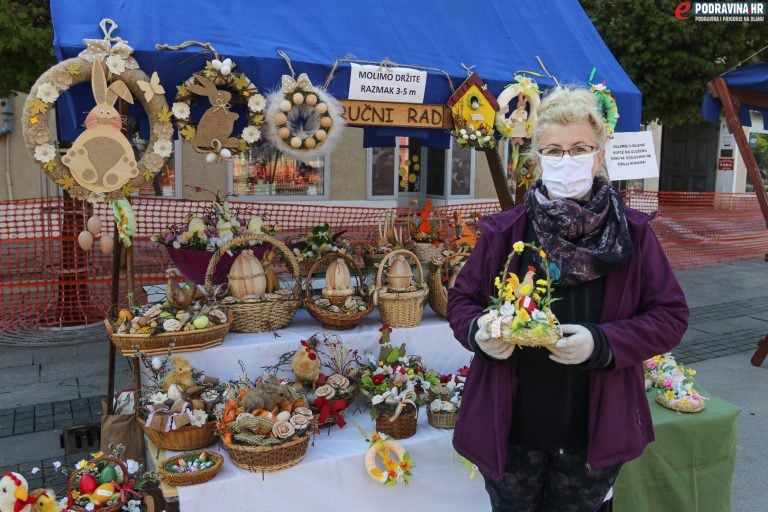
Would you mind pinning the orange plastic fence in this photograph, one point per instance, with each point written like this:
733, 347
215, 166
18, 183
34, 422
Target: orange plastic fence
47, 280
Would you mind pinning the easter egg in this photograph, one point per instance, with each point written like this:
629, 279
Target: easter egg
280, 118
298, 98
225, 153
321, 108
87, 484
103, 493
94, 225
310, 142
285, 105
284, 132
85, 240
210, 158
201, 322
311, 100
326, 122
106, 243
321, 135
295, 142
108, 474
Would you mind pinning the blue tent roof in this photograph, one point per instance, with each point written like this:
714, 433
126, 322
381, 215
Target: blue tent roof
752, 78
497, 37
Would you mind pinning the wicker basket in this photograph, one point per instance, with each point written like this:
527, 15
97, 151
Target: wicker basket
676, 405
425, 251
269, 458
438, 294
198, 477
260, 316
530, 338
373, 259
185, 438
401, 309
74, 478
157, 344
442, 419
402, 427
330, 319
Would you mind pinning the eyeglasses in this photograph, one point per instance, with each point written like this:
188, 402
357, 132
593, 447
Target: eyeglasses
578, 153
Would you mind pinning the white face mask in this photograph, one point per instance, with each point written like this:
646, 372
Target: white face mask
568, 178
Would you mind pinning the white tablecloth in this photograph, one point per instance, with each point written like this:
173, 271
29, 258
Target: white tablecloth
331, 477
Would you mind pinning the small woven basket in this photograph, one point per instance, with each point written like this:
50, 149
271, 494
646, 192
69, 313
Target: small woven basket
269, 458
157, 344
188, 437
402, 427
442, 419
438, 293
198, 477
401, 309
260, 316
373, 259
425, 251
336, 320
677, 405
529, 338
74, 478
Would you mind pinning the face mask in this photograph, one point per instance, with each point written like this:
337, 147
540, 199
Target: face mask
568, 178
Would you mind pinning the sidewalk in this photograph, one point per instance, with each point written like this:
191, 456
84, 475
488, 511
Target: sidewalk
46, 389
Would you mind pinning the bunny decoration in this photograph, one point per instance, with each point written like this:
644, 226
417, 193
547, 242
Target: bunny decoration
101, 159
217, 123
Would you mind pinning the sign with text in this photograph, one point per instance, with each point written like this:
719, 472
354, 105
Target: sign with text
377, 83
725, 164
378, 113
630, 156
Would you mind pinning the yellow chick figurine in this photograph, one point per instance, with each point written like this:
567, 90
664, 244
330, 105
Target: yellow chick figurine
306, 364
45, 500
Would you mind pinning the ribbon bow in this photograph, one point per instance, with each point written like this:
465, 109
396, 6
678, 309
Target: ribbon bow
327, 408
100, 49
406, 397
125, 490
495, 319
289, 84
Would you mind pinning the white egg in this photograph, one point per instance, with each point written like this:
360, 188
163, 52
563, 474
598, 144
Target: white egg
295, 142
175, 392
283, 416
226, 62
225, 70
85, 240
225, 153
216, 64
94, 225
157, 363
106, 244
285, 105
321, 108
321, 135
210, 157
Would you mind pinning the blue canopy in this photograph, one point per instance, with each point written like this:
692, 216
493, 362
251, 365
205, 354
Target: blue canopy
751, 78
497, 37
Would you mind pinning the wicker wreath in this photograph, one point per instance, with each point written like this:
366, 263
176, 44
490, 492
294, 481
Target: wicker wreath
120, 66
302, 120
243, 90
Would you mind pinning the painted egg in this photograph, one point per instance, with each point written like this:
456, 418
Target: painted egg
85, 240
106, 244
284, 132
295, 142
310, 142
280, 118
94, 225
201, 322
87, 484
326, 122
298, 98
103, 492
321, 108
108, 474
321, 135
311, 100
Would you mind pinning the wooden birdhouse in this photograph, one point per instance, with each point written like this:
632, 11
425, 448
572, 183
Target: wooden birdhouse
473, 104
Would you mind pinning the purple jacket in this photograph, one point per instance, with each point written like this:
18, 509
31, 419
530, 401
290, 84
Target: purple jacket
644, 314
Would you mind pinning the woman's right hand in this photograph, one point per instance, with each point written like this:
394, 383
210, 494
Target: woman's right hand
494, 347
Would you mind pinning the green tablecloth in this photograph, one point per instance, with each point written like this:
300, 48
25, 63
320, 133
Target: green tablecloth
690, 465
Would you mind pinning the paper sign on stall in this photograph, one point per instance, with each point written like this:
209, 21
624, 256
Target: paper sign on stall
631, 156
377, 83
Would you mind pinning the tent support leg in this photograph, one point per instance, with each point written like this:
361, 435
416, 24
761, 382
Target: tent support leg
499, 178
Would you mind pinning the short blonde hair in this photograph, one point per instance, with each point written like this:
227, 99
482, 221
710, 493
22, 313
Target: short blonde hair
564, 106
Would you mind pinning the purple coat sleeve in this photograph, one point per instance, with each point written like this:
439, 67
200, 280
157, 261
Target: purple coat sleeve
646, 303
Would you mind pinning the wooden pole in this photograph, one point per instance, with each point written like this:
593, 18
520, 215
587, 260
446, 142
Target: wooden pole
499, 178
114, 298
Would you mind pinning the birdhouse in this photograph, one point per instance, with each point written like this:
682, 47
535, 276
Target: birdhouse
246, 277
399, 275
337, 279
473, 104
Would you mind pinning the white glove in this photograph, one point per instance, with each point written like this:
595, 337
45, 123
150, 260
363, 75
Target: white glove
494, 347
575, 347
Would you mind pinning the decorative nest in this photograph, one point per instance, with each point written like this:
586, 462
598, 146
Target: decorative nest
532, 338
266, 313
206, 466
441, 268
338, 312
401, 309
692, 403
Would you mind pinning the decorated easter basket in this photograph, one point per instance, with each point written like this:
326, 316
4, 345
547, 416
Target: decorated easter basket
328, 413
265, 315
74, 480
691, 405
157, 344
438, 292
346, 317
398, 426
425, 251
269, 458
174, 478
442, 419
401, 309
188, 437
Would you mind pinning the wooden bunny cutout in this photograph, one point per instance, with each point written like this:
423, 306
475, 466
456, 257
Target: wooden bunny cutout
217, 123
102, 159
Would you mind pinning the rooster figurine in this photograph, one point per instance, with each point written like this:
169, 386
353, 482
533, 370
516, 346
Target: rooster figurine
14, 493
180, 296
525, 287
306, 364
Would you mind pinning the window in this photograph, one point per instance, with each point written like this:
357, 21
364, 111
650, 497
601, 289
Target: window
167, 182
264, 171
462, 172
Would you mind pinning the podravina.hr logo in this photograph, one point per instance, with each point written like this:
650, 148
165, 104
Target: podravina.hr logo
721, 11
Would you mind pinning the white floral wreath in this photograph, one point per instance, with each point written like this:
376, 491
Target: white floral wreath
61, 77
220, 72
302, 120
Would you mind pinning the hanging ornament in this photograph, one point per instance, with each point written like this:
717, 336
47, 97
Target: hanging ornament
605, 101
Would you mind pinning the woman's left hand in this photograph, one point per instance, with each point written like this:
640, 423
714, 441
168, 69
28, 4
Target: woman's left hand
575, 347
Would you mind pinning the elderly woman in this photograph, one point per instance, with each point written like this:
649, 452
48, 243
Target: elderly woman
549, 429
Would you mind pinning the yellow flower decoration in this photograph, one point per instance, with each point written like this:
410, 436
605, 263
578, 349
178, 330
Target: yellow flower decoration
37, 106
518, 247
73, 69
164, 116
181, 90
66, 182
188, 132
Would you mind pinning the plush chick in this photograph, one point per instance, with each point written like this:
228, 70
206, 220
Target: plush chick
14, 495
306, 364
181, 374
45, 500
